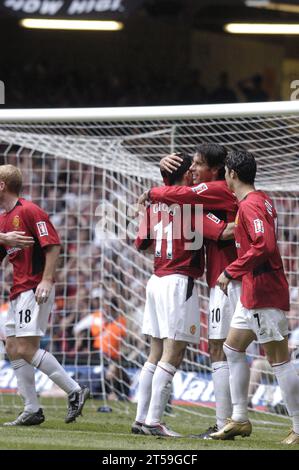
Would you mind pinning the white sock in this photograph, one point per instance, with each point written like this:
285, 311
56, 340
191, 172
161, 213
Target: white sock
47, 363
161, 389
26, 384
288, 382
220, 375
239, 374
145, 390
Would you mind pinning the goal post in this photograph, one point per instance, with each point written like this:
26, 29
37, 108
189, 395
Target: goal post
86, 168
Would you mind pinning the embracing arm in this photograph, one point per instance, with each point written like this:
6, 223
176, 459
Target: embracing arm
51, 259
16, 239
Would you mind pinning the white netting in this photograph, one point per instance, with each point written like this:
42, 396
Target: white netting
87, 175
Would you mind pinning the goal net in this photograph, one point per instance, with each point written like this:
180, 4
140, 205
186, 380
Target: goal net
86, 168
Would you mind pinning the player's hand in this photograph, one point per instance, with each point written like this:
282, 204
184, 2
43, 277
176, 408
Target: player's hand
17, 239
223, 282
43, 291
171, 162
143, 198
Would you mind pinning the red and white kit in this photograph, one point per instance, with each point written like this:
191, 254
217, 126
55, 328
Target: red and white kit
25, 316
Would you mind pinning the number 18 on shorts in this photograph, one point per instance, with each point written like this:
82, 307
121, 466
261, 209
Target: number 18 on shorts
27, 318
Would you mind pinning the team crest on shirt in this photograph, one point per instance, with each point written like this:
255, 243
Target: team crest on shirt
213, 218
16, 222
237, 219
192, 329
200, 188
258, 226
42, 229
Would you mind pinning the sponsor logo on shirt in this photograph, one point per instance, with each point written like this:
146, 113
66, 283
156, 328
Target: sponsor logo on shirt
213, 218
258, 226
162, 207
11, 251
42, 229
16, 222
200, 188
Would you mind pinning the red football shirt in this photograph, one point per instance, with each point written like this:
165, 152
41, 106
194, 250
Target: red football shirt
264, 284
172, 255
219, 253
216, 197
28, 264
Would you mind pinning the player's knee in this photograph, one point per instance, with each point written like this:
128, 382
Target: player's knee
154, 358
216, 350
11, 349
233, 355
25, 350
174, 358
21, 350
174, 361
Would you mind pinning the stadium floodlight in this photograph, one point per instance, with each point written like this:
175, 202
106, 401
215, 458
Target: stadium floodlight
77, 25
262, 28
266, 4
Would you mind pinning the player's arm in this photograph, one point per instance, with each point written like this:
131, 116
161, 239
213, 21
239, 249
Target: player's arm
16, 239
144, 241
213, 227
228, 232
42, 229
210, 195
45, 286
170, 163
263, 244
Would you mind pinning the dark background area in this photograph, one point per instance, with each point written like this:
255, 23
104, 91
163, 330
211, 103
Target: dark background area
169, 52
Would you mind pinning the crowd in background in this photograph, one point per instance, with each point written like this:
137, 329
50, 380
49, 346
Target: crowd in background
39, 84
101, 281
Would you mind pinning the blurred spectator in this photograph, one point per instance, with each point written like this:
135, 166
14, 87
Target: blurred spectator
252, 88
193, 91
93, 85
223, 93
107, 328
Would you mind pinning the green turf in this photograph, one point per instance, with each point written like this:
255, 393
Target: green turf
111, 431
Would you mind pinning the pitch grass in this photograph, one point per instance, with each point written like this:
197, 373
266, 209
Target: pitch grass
111, 431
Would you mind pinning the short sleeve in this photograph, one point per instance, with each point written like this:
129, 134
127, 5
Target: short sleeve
40, 226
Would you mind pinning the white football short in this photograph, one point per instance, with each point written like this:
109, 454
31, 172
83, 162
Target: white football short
221, 309
27, 318
172, 308
3, 317
269, 324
